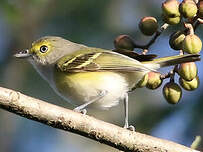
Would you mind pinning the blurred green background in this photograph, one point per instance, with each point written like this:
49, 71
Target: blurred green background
93, 23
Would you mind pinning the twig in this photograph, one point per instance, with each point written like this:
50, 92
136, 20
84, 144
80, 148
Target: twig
157, 34
84, 125
196, 1
197, 23
189, 27
165, 76
171, 74
144, 52
200, 20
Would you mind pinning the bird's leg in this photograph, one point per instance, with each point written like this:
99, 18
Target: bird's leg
126, 110
132, 128
82, 107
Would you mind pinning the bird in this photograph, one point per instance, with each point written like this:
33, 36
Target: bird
92, 77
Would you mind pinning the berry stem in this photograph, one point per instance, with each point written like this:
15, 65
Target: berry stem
181, 52
157, 34
197, 23
196, 1
200, 20
190, 28
170, 74
144, 52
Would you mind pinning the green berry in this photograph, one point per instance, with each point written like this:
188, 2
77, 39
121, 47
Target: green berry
192, 44
188, 8
124, 42
190, 85
148, 25
172, 92
176, 40
200, 9
143, 81
171, 20
154, 80
187, 71
170, 8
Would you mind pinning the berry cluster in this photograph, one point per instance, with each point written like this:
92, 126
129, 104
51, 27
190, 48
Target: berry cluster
190, 14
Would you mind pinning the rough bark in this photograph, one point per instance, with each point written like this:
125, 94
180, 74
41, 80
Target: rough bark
84, 125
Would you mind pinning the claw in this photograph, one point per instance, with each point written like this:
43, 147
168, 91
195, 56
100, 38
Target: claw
131, 128
82, 111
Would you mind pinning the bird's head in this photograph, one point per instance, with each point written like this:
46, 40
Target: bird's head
47, 50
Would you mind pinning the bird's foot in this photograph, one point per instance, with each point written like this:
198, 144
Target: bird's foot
131, 127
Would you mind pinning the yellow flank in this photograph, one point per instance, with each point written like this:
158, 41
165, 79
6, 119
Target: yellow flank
82, 87
86, 77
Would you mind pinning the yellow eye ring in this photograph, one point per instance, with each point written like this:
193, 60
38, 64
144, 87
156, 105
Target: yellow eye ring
43, 49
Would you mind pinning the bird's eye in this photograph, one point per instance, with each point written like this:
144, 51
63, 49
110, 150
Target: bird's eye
43, 48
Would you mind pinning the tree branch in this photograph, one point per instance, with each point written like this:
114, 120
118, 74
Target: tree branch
84, 125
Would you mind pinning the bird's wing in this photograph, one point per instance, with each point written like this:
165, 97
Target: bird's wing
98, 60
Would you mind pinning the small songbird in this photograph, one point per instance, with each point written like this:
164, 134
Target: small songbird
91, 77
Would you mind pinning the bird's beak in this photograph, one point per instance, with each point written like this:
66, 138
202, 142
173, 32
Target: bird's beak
22, 54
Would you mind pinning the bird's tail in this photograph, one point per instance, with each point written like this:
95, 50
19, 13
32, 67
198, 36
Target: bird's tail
171, 60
